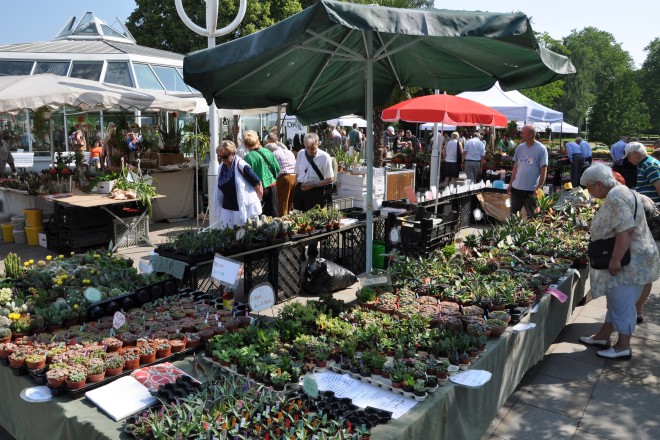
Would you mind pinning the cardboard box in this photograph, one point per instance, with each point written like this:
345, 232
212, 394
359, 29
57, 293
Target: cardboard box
43, 241
105, 187
170, 159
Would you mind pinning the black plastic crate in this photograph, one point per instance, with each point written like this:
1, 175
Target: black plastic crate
422, 231
358, 213
399, 204
75, 219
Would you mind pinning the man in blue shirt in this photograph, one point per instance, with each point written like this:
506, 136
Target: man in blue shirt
575, 156
529, 171
586, 149
617, 151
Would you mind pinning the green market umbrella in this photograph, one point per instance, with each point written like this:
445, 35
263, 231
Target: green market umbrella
338, 58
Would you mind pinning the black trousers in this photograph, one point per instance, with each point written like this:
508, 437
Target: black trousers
577, 163
306, 200
269, 201
520, 199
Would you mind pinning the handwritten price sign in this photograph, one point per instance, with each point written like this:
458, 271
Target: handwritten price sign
262, 297
226, 271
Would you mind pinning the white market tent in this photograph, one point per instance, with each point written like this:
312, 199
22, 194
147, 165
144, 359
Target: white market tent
348, 121
514, 105
557, 127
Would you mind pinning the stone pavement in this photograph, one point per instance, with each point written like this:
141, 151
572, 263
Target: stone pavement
572, 394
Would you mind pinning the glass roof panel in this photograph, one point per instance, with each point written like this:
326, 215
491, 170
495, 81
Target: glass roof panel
171, 79
87, 26
15, 67
117, 73
54, 67
110, 32
146, 79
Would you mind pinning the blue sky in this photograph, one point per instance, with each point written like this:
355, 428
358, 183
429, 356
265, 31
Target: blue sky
633, 23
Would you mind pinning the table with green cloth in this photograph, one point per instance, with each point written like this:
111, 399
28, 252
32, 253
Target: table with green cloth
452, 412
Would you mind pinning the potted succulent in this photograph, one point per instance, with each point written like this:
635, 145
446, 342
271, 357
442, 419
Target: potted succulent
114, 365
178, 345
76, 379
35, 361
17, 359
163, 349
131, 359
5, 334
147, 354
95, 370
419, 388
408, 385
497, 327
6, 348
112, 344
57, 374
279, 379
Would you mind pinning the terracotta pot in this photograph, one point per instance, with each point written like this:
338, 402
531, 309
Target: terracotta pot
35, 365
178, 348
132, 364
93, 378
192, 344
55, 383
16, 364
110, 372
16, 336
75, 385
7, 339
164, 352
147, 358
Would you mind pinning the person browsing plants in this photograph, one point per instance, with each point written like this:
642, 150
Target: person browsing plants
265, 165
239, 189
633, 258
529, 171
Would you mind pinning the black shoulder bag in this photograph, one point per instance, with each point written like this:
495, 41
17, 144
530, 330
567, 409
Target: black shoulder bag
600, 251
327, 190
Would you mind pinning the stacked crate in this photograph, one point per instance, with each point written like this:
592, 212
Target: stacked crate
74, 229
355, 187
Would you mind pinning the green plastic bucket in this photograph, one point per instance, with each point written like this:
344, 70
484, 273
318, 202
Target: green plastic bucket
377, 251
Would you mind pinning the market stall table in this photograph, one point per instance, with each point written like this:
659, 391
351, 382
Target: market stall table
134, 227
453, 412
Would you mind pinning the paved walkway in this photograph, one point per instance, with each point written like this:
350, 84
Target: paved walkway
574, 395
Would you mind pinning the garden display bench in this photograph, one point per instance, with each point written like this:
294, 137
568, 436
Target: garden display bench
453, 412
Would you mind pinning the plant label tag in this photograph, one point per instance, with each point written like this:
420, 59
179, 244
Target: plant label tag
310, 386
261, 297
118, 320
561, 296
240, 234
226, 271
112, 332
509, 240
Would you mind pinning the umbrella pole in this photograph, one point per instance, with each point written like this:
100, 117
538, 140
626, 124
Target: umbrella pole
441, 138
369, 149
435, 158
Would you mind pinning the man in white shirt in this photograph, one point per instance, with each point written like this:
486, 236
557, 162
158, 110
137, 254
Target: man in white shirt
529, 171
474, 156
286, 179
312, 187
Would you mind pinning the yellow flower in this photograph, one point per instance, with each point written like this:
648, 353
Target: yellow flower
60, 256
73, 253
86, 281
64, 276
41, 263
92, 271
26, 264
75, 307
31, 261
59, 282
49, 257
97, 256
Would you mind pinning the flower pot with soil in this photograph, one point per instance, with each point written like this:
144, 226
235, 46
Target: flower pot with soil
114, 365
77, 379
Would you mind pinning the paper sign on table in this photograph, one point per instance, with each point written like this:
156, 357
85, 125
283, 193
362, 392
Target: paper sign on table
363, 394
410, 193
522, 326
561, 296
471, 378
122, 398
118, 320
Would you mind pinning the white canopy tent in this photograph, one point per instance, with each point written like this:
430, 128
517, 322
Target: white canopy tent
348, 121
514, 105
557, 127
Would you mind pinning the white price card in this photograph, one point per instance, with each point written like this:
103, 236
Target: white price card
261, 297
118, 320
225, 271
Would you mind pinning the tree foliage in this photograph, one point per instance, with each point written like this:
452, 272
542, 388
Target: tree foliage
155, 23
618, 109
548, 94
649, 82
597, 58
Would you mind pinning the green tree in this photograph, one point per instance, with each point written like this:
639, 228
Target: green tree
548, 94
618, 109
649, 82
155, 23
597, 57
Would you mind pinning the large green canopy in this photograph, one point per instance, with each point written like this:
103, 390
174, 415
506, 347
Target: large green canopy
337, 58
314, 61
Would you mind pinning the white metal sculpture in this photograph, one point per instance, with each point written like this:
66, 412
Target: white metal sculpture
211, 32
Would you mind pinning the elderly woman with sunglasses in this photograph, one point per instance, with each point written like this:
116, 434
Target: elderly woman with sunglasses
621, 216
239, 193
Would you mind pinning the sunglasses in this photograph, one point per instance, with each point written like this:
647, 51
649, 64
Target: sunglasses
223, 157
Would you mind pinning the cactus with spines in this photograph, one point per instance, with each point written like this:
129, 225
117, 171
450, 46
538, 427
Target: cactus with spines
13, 267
